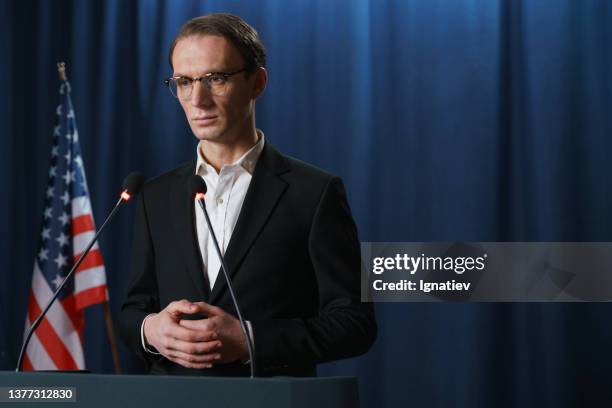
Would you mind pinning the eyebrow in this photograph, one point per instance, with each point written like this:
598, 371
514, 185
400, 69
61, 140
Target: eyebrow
218, 71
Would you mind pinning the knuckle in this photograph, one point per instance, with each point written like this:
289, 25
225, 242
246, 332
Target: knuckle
167, 342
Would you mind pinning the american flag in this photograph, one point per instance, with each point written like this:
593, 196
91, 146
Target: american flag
67, 228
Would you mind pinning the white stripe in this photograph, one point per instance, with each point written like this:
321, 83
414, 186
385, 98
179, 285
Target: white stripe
89, 278
81, 206
37, 354
80, 242
58, 317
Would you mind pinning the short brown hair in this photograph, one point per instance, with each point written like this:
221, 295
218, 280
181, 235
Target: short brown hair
234, 29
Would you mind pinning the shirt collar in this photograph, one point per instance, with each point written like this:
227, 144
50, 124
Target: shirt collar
247, 161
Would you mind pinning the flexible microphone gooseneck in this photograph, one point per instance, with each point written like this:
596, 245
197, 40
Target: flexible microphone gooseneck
197, 189
130, 187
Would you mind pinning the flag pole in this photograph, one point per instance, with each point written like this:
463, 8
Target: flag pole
111, 337
61, 71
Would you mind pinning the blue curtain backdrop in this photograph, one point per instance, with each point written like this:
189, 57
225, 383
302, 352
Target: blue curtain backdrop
448, 120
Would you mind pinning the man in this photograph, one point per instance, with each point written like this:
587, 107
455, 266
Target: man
284, 227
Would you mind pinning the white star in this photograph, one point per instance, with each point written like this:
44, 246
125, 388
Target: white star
43, 254
58, 111
78, 160
67, 156
50, 192
70, 114
46, 233
64, 218
65, 197
62, 239
54, 151
48, 212
52, 171
68, 177
75, 136
57, 281
60, 260
69, 136
56, 130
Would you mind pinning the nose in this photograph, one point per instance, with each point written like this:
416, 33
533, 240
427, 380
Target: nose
200, 95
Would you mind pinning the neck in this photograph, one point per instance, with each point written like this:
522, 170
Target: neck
219, 154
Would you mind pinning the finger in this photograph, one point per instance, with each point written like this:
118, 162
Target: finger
195, 358
188, 364
205, 325
181, 307
192, 348
209, 310
179, 332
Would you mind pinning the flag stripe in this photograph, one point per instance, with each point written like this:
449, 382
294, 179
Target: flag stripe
65, 322
80, 242
27, 365
73, 313
89, 278
93, 259
52, 343
82, 223
36, 356
80, 206
91, 296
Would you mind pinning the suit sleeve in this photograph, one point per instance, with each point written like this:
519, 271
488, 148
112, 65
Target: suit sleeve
344, 327
141, 298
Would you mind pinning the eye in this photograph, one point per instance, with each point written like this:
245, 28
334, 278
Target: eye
216, 79
183, 82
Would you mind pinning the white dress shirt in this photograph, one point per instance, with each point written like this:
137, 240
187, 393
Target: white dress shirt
224, 197
225, 194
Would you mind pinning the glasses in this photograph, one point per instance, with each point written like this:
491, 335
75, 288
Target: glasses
216, 82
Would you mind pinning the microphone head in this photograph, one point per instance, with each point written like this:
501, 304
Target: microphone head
133, 183
196, 186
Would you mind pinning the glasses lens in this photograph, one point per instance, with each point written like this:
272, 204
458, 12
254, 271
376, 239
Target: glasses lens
180, 87
218, 84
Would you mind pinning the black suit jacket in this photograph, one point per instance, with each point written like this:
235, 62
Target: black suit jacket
294, 260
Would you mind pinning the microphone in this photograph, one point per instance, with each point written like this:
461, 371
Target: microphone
130, 187
197, 189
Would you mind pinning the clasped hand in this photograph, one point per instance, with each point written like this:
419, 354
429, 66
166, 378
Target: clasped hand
216, 339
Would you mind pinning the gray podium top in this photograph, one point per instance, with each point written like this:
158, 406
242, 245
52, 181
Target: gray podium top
95, 390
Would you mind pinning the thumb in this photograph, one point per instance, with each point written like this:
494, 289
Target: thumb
180, 307
209, 310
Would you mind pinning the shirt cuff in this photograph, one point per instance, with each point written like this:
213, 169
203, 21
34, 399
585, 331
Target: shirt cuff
149, 350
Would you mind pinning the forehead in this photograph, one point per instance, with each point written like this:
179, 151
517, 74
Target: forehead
199, 54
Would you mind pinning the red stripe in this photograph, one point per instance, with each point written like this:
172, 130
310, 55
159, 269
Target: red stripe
53, 344
26, 365
93, 259
91, 296
82, 223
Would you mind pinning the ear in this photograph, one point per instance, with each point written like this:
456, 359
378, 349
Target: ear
260, 81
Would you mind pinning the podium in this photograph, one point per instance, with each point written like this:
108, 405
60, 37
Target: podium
151, 391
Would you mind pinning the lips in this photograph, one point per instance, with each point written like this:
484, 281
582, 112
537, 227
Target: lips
204, 120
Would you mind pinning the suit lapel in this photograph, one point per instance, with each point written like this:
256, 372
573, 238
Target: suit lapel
186, 234
265, 189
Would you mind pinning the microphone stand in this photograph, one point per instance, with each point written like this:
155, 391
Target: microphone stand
245, 330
